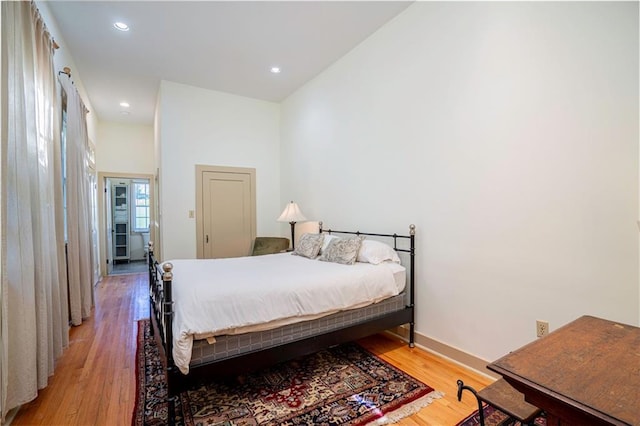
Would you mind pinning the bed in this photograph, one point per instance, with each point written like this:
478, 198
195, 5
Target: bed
212, 317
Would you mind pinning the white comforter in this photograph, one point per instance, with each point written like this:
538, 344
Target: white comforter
218, 296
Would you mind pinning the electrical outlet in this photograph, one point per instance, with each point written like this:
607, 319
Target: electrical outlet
542, 328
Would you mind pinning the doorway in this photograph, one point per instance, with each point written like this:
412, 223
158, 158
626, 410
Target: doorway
127, 222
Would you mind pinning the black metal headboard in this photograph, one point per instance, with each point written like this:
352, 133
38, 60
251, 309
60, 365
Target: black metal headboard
410, 237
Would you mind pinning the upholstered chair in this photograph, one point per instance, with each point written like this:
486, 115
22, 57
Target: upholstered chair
269, 245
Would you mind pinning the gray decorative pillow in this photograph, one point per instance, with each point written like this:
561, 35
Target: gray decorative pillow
342, 250
309, 245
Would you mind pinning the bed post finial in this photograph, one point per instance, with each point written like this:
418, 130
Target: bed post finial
320, 227
412, 229
167, 268
150, 245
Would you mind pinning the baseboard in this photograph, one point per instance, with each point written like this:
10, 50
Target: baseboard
449, 352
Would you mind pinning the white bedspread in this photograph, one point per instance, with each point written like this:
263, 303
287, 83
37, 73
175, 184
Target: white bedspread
219, 296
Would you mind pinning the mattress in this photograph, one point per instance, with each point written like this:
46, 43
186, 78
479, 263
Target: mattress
231, 345
399, 278
216, 297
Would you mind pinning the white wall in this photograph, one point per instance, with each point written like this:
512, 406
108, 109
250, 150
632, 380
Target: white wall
125, 148
508, 133
198, 126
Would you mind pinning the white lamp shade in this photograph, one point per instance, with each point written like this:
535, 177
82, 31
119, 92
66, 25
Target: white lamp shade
291, 213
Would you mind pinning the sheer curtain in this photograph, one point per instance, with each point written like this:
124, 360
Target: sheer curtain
78, 206
34, 308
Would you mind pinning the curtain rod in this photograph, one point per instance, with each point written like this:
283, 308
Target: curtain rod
38, 18
65, 70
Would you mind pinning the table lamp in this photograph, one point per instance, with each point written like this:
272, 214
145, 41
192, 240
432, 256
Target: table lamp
292, 214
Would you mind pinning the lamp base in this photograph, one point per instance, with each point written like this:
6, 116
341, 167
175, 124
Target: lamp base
293, 242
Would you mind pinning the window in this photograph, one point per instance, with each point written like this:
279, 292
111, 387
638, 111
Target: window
140, 206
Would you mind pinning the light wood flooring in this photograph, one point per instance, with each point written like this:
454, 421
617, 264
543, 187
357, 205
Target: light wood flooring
94, 382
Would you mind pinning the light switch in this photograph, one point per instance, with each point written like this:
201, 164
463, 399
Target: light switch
191, 214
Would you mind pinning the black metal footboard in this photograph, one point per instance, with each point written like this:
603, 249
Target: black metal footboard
161, 312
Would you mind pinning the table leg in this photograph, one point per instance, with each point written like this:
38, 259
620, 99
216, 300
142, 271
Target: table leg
553, 420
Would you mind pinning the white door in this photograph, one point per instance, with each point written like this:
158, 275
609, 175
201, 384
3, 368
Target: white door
227, 213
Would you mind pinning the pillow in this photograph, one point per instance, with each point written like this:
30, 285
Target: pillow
309, 245
376, 252
325, 243
342, 250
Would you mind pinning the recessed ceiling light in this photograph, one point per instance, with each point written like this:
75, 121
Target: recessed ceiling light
275, 70
124, 104
121, 26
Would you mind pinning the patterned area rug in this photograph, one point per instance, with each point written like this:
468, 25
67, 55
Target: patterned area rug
495, 417
345, 385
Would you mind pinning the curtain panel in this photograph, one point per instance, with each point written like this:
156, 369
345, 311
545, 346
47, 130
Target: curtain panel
78, 206
33, 310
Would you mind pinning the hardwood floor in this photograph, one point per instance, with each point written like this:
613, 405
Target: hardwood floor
94, 382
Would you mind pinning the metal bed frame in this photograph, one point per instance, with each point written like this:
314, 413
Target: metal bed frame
161, 309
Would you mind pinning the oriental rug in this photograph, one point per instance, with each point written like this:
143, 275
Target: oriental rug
495, 417
344, 385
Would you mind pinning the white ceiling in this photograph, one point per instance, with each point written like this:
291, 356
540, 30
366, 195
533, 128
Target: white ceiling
228, 46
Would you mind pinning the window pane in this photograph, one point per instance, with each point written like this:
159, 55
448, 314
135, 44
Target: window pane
141, 203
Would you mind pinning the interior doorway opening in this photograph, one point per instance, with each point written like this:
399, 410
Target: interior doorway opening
127, 222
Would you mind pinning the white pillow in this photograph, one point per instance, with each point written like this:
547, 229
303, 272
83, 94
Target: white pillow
376, 252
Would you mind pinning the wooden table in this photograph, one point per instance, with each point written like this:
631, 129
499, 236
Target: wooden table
585, 373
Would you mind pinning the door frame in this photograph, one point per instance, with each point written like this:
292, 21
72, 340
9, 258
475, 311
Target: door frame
200, 170
108, 226
102, 178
